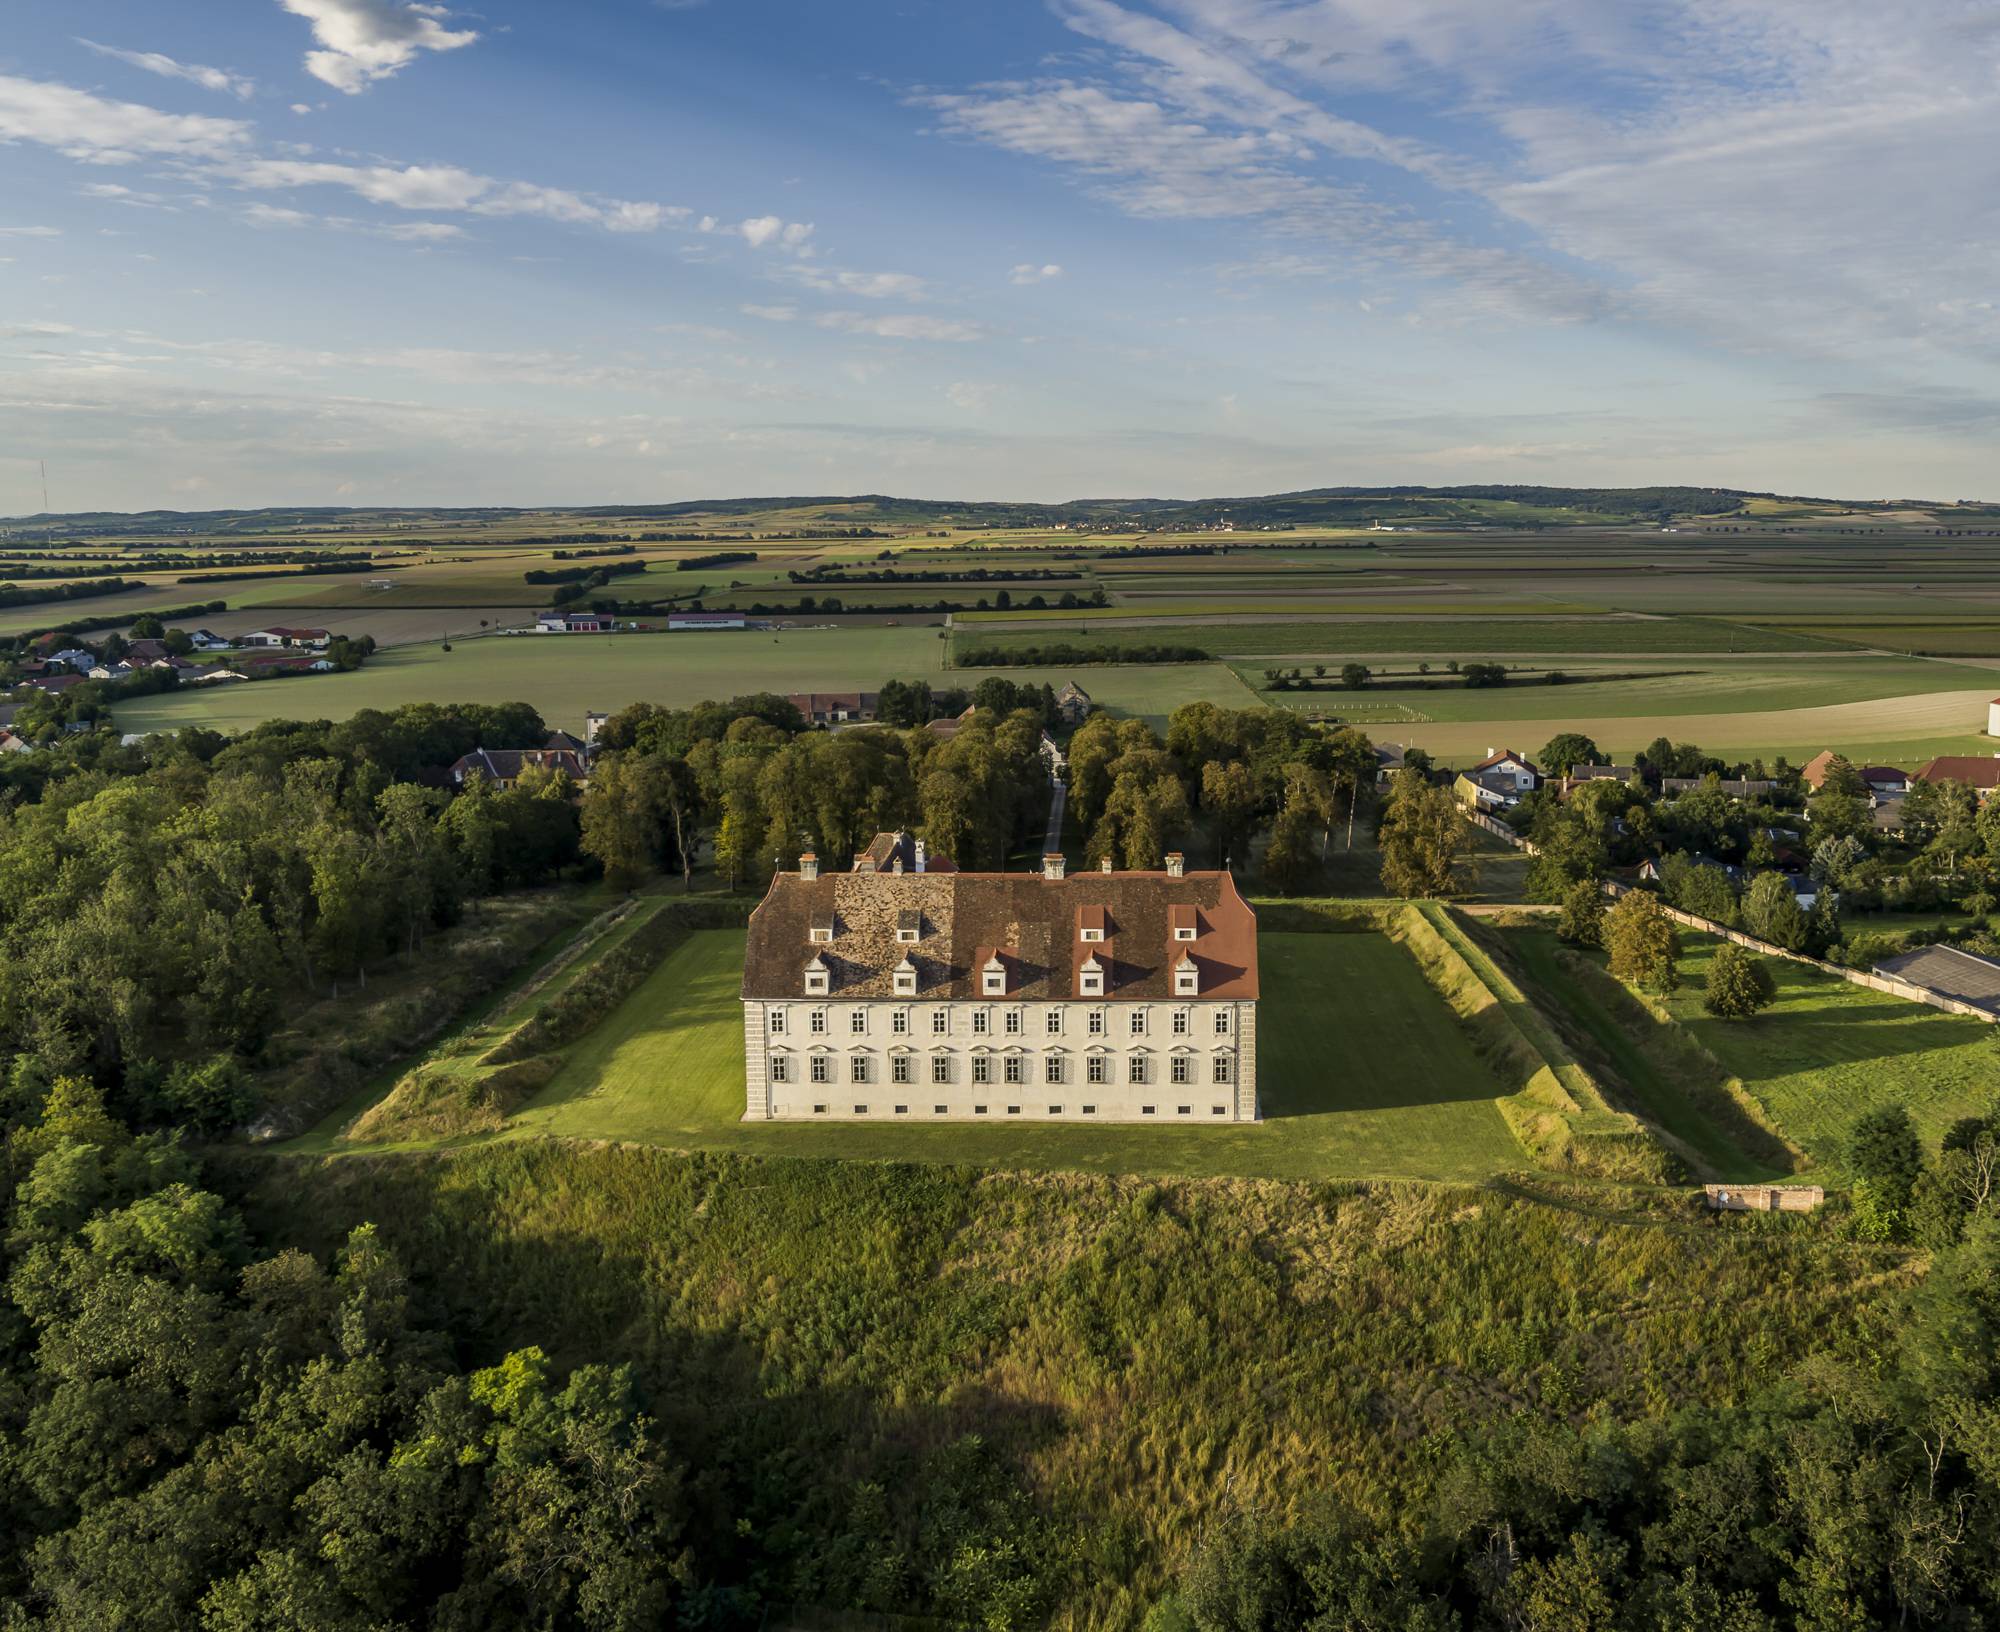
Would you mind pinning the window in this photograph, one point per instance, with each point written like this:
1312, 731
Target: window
979, 1110
1055, 1022
816, 983
1146, 1110
993, 982
1222, 1022
982, 1068
1138, 1022
1013, 1110
1187, 980
857, 1068
777, 1022
817, 1023
899, 1068
907, 936
940, 1021
1090, 1110
1218, 1110
781, 1069
1220, 1069
1180, 1022
982, 1022
819, 1110
822, 1068
1186, 1110
1055, 1069
857, 1023
1055, 1110
1095, 1026
1136, 1069
1093, 934
940, 1068
906, 980
1013, 1068
902, 1110
1012, 1023
861, 1110
940, 1110
1092, 983
1184, 932
1179, 1069
1094, 1069
899, 1022
822, 933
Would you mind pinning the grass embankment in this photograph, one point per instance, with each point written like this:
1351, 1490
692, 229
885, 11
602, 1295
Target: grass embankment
1141, 1357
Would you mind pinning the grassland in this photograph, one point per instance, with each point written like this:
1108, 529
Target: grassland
1411, 1098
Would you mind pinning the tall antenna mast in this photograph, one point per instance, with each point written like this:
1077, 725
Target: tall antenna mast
45, 487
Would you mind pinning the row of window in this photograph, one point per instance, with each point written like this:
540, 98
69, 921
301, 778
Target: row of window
1014, 1068
1012, 1022
1015, 1110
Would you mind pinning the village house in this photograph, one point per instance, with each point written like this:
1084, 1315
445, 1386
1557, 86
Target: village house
1073, 704
207, 640
1052, 755
503, 766
948, 729
1390, 757
1737, 787
924, 993
1498, 782
1979, 772
279, 636
834, 707
79, 658
1580, 774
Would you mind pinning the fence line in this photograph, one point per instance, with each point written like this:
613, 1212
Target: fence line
1887, 984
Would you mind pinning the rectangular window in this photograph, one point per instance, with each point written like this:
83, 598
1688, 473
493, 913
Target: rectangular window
1013, 1068
902, 1110
1055, 1068
857, 1068
899, 1022
1093, 985
781, 1069
819, 1110
1012, 1023
977, 1110
857, 1023
861, 1110
1136, 1069
816, 983
1218, 1110
982, 1021
777, 1022
1055, 1110
1090, 1110
982, 1068
993, 983
1095, 1025
1179, 1068
940, 1110
1055, 1022
940, 1068
817, 1024
899, 1068
1220, 1070
1145, 1110
1222, 1022
1180, 1022
1094, 1068
940, 1022
1138, 1022
1187, 1110
822, 1068
1013, 1110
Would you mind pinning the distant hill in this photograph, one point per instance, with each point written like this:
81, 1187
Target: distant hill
1474, 506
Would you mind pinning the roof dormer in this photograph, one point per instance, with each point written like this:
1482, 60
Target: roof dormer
1092, 923
909, 926
1090, 977
1182, 922
819, 978
993, 976
1187, 977
906, 978
821, 930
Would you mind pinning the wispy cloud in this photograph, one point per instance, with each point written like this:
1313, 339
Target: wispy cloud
361, 41
157, 62
97, 130
1027, 272
901, 326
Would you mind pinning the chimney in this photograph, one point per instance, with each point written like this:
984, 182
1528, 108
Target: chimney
920, 855
808, 866
1104, 866
1052, 865
1176, 864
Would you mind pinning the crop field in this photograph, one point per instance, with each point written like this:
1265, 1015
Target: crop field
563, 676
1408, 1098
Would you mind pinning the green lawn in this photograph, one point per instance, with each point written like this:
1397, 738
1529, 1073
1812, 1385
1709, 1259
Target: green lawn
565, 675
1826, 1051
1362, 1070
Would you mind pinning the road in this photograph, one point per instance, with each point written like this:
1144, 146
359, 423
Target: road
1052, 843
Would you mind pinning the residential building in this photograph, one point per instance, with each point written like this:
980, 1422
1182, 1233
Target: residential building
1390, 757
1580, 774
1498, 782
54, 682
696, 621
593, 722
1949, 971
80, 658
949, 728
280, 636
1977, 771
207, 640
834, 707
1073, 704
503, 766
1052, 755
1109, 996
573, 623
1737, 787
1993, 718
1885, 781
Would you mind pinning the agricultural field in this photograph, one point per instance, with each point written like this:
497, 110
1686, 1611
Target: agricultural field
1411, 1100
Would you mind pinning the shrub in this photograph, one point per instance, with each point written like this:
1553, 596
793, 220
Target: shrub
1645, 946
1885, 1155
1581, 922
1738, 984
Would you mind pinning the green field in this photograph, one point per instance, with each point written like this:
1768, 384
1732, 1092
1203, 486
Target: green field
1408, 1097
563, 676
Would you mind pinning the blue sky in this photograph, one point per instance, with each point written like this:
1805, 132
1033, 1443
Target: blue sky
361, 251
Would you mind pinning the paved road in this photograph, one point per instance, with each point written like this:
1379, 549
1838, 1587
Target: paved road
1053, 841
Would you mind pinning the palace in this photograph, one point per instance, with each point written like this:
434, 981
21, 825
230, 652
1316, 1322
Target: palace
901, 991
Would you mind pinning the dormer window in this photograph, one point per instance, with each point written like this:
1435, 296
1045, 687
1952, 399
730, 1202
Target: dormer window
819, 979
1187, 978
1091, 924
909, 927
906, 979
993, 977
822, 930
1093, 934
1091, 978
1183, 921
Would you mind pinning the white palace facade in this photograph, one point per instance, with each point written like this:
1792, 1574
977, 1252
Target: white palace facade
896, 992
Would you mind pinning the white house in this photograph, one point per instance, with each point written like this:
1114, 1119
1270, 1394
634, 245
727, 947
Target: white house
929, 995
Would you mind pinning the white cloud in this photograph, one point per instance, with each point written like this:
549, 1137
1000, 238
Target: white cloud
302, 107
155, 62
365, 40
772, 314
868, 285
1028, 272
447, 187
971, 395
901, 326
96, 130
761, 230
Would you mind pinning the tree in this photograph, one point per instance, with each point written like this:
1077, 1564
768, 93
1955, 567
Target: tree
1354, 675
1643, 942
1424, 839
1581, 921
1738, 984
621, 828
1771, 912
1567, 750
1884, 1153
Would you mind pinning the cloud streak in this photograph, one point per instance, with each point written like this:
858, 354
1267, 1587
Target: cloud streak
157, 62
